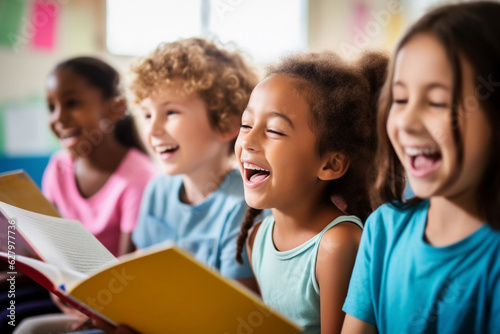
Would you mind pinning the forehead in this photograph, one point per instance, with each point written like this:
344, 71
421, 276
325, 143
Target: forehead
421, 60
279, 93
65, 79
172, 91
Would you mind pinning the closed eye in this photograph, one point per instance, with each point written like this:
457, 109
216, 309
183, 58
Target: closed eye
71, 103
171, 112
243, 126
439, 105
400, 101
275, 132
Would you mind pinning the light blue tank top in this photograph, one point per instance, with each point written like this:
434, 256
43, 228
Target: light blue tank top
287, 280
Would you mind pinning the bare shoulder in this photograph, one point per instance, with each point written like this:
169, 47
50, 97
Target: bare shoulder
341, 240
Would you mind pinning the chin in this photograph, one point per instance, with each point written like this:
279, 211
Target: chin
255, 203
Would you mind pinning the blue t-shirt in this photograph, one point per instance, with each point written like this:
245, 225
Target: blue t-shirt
402, 284
208, 230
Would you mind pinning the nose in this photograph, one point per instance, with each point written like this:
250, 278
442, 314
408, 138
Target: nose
409, 119
249, 140
58, 116
156, 125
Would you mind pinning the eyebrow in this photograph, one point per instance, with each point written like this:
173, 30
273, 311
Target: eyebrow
428, 86
276, 114
70, 92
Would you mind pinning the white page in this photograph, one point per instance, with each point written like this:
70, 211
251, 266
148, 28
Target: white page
61, 242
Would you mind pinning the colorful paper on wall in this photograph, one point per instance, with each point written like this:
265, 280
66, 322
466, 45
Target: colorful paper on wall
44, 21
25, 128
11, 12
394, 29
360, 18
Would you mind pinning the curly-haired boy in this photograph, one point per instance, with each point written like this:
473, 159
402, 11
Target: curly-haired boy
191, 94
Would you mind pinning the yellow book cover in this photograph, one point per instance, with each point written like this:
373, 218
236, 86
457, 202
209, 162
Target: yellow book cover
157, 290
18, 189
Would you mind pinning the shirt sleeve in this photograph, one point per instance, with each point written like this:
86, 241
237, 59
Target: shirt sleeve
227, 257
494, 324
359, 296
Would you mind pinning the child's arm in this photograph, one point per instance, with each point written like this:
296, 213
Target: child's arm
336, 257
357, 326
125, 243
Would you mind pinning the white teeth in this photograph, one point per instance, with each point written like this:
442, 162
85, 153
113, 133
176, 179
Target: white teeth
246, 165
414, 151
70, 134
164, 148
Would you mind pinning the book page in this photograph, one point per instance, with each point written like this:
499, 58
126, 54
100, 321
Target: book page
66, 278
61, 242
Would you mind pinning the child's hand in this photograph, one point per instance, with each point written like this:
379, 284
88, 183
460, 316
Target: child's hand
82, 323
110, 329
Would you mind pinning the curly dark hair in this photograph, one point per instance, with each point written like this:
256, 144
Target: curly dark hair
343, 101
222, 78
469, 30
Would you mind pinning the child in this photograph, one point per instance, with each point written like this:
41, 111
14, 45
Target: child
191, 94
307, 135
100, 177
430, 265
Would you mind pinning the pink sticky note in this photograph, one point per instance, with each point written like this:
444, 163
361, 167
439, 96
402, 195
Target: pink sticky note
360, 18
43, 22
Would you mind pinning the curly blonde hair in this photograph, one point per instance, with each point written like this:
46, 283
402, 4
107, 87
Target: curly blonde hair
222, 78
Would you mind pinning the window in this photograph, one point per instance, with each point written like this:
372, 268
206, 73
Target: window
265, 29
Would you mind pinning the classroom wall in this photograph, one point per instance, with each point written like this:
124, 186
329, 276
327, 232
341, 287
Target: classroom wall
25, 140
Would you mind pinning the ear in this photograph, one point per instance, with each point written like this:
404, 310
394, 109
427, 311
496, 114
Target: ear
232, 130
334, 166
118, 106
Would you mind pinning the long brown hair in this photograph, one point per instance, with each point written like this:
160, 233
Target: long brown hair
470, 30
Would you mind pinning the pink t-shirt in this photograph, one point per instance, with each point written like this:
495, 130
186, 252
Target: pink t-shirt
110, 211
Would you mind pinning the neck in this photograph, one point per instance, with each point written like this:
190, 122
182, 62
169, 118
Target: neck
199, 184
451, 220
308, 217
106, 156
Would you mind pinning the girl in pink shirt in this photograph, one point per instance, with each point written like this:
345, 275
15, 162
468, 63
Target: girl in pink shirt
100, 176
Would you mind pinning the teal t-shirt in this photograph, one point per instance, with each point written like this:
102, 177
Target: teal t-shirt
402, 284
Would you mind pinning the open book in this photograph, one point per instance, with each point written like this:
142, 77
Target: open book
162, 289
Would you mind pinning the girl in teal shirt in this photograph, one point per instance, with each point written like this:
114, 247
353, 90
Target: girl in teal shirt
430, 265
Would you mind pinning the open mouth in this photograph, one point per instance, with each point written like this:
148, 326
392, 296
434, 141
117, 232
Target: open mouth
423, 161
255, 174
165, 151
69, 139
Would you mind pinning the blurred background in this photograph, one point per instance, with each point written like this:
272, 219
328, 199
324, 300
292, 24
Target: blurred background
37, 34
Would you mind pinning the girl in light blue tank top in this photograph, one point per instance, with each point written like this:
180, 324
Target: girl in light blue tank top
307, 137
